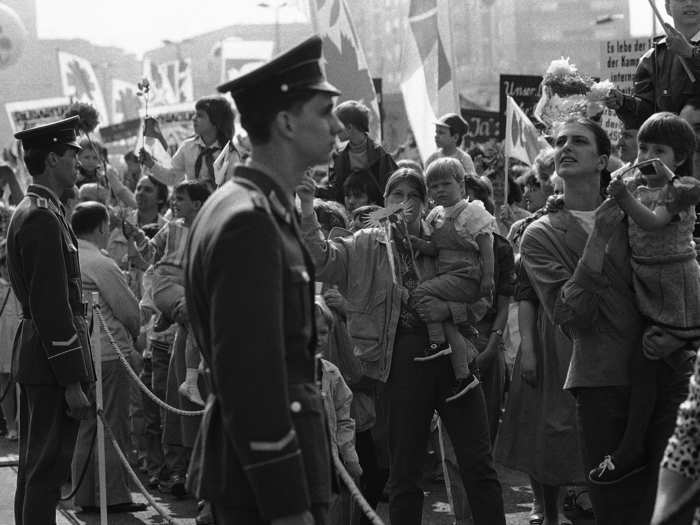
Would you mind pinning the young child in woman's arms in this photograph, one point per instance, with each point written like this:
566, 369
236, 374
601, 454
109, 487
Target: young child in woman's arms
462, 241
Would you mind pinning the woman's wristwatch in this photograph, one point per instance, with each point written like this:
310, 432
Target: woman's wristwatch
498, 332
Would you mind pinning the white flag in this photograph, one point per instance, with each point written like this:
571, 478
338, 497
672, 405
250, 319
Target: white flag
79, 82
125, 103
522, 141
427, 77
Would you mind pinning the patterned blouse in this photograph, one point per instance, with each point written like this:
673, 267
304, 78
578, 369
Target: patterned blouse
682, 453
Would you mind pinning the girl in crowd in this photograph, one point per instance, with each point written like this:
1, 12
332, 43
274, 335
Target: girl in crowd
665, 271
578, 262
388, 333
194, 159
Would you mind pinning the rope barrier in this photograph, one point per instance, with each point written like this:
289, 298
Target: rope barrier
151, 501
158, 401
343, 473
355, 492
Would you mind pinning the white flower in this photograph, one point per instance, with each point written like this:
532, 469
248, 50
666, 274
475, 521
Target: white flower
561, 67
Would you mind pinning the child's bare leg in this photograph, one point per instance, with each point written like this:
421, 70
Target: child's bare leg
190, 388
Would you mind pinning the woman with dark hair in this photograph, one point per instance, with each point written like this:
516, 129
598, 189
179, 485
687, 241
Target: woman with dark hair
578, 262
373, 269
194, 159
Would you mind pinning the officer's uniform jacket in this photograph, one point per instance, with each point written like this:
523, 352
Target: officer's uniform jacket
51, 346
263, 442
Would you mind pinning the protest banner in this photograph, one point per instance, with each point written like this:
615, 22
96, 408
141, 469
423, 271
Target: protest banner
523, 89
483, 125
618, 63
29, 113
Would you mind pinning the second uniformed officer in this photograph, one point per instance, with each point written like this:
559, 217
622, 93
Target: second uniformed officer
51, 354
263, 447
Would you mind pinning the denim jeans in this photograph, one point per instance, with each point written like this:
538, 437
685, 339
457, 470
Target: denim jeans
414, 391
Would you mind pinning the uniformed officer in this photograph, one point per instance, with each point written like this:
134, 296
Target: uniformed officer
51, 355
263, 449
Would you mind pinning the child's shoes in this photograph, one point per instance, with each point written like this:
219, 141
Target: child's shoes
612, 470
462, 386
433, 351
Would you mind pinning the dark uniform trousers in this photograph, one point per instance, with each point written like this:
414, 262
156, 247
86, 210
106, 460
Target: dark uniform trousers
51, 349
263, 447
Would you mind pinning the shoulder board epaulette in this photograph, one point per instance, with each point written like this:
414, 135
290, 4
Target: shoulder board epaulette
41, 202
252, 193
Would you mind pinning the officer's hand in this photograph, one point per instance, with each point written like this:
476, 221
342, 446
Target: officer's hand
78, 403
677, 42
305, 518
306, 191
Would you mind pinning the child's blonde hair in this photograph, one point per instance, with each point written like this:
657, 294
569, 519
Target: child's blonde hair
445, 167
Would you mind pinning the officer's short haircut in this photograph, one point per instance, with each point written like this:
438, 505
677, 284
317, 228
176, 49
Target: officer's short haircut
355, 113
35, 158
197, 191
88, 216
257, 120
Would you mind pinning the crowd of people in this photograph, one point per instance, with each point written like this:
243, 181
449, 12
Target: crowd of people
326, 303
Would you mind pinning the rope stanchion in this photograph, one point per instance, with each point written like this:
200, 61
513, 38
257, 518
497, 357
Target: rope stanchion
355, 492
158, 401
151, 501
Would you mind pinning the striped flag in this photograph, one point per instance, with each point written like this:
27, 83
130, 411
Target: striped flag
427, 82
344, 60
79, 82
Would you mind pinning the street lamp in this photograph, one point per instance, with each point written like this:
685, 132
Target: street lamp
276, 6
606, 19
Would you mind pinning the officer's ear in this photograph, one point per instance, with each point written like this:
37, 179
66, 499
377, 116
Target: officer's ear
51, 159
285, 121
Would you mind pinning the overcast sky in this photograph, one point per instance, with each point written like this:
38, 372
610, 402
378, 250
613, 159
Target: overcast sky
140, 25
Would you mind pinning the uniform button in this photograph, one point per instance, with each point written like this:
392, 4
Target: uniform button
295, 407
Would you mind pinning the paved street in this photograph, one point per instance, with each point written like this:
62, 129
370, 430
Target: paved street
516, 493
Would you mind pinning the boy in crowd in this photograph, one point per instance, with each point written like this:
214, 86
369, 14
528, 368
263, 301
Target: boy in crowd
360, 153
167, 250
661, 83
450, 130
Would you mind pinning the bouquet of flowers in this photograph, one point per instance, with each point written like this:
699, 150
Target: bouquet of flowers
564, 93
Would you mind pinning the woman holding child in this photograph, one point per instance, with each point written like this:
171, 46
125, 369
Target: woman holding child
577, 257
389, 331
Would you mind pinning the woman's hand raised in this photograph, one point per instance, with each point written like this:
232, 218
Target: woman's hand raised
607, 216
306, 191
